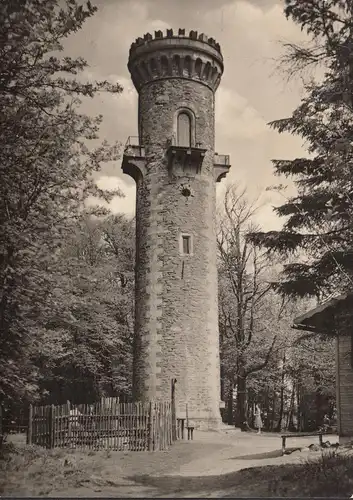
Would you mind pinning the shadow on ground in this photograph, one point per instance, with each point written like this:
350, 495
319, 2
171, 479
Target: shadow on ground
292, 480
252, 482
190, 484
259, 456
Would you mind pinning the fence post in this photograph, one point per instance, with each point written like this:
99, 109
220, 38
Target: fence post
150, 427
68, 407
174, 430
30, 425
51, 427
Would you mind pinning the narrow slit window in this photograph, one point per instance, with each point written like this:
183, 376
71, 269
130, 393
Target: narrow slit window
186, 245
184, 130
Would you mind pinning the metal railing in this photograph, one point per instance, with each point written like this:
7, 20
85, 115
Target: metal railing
221, 159
174, 142
133, 147
133, 140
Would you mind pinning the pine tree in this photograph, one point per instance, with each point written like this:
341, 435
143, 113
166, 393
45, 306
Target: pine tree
318, 233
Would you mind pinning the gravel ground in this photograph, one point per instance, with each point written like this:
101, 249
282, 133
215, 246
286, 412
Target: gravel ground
208, 466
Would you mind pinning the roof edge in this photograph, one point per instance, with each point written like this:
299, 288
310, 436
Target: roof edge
321, 308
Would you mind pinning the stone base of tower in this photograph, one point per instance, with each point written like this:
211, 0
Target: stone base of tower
202, 420
206, 424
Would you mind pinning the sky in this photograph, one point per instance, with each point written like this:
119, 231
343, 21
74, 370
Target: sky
252, 92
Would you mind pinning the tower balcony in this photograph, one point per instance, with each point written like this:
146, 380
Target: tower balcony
134, 160
221, 166
185, 159
133, 147
182, 160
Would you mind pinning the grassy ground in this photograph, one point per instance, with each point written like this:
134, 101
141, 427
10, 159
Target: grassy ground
211, 466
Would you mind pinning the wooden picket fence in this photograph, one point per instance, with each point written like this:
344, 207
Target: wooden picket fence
105, 425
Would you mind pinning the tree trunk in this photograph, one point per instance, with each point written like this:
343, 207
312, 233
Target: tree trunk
290, 421
223, 384
319, 409
241, 419
299, 408
230, 404
273, 415
251, 416
225, 395
281, 408
266, 409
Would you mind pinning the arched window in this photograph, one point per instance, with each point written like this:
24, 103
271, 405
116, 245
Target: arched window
184, 130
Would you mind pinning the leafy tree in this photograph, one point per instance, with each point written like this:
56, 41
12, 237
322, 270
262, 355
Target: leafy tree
311, 368
297, 387
93, 328
262, 357
317, 232
46, 167
246, 309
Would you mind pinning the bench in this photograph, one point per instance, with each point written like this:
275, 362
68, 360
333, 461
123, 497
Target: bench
190, 432
298, 434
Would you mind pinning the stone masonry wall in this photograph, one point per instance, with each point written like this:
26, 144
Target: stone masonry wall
176, 295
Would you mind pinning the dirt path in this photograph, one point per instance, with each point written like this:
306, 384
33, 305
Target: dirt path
208, 466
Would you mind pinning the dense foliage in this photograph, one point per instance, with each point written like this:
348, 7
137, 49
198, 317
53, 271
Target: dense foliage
46, 167
88, 352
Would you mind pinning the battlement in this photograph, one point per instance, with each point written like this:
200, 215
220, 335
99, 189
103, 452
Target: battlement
167, 55
158, 35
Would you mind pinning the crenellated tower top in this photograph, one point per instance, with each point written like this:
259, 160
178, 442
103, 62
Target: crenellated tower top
193, 57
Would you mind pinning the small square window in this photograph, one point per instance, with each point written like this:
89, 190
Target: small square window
186, 244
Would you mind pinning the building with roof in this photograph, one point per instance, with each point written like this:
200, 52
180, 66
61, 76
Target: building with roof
335, 318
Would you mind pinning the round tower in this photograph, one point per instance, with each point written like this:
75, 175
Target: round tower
176, 169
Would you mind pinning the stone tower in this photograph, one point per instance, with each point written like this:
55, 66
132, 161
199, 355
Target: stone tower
176, 169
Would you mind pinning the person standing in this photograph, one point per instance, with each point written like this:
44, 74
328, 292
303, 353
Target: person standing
326, 423
258, 420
